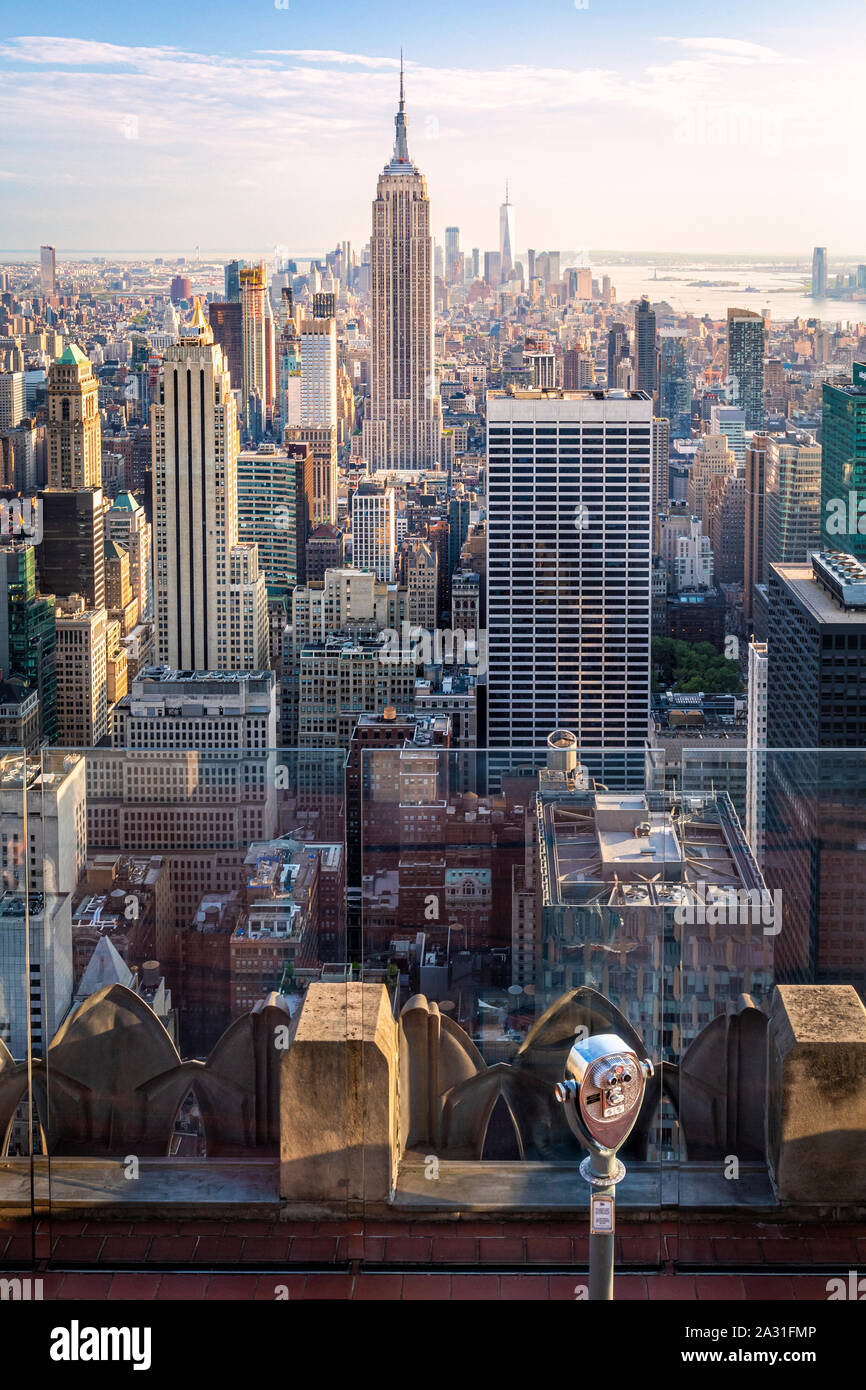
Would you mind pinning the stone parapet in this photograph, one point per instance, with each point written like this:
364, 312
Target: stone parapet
338, 1100
816, 1096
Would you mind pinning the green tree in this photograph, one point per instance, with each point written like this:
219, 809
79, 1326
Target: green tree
690, 667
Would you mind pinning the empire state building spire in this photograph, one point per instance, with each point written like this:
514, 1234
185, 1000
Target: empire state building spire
400, 162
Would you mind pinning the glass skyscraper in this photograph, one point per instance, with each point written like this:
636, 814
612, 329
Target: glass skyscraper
30, 635
819, 272
675, 391
746, 365
843, 465
645, 347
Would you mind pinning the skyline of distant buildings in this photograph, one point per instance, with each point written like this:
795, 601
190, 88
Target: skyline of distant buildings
406, 515
432, 650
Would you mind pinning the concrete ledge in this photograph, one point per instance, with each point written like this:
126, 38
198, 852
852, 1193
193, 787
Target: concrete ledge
557, 1189
817, 1094
165, 1187
338, 1099
238, 1189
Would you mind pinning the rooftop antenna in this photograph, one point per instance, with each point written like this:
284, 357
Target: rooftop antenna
401, 148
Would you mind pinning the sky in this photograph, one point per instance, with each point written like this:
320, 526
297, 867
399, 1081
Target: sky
669, 127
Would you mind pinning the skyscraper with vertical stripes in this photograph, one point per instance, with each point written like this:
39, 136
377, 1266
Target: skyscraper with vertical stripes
569, 544
403, 428
210, 599
258, 348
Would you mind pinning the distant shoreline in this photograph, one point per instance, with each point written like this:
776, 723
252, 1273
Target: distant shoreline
779, 260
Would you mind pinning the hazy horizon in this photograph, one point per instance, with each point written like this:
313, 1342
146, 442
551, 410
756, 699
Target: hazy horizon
798, 259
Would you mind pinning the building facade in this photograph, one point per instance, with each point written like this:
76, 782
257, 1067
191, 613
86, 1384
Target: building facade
569, 548
645, 348
816, 733
843, 466
403, 429
74, 433
374, 535
675, 391
195, 448
746, 347
267, 511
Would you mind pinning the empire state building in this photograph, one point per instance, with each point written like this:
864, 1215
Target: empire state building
403, 430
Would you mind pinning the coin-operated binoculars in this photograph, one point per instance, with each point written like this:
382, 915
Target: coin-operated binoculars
602, 1093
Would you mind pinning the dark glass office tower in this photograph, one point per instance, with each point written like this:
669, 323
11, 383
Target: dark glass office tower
227, 326
753, 550
843, 465
232, 273
28, 632
72, 553
458, 530
645, 351
675, 390
304, 464
816, 809
746, 365
617, 349
819, 272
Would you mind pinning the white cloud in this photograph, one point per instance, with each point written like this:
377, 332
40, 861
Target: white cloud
311, 128
71, 52
731, 50
332, 55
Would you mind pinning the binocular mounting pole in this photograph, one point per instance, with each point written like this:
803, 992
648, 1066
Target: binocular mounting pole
602, 1170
